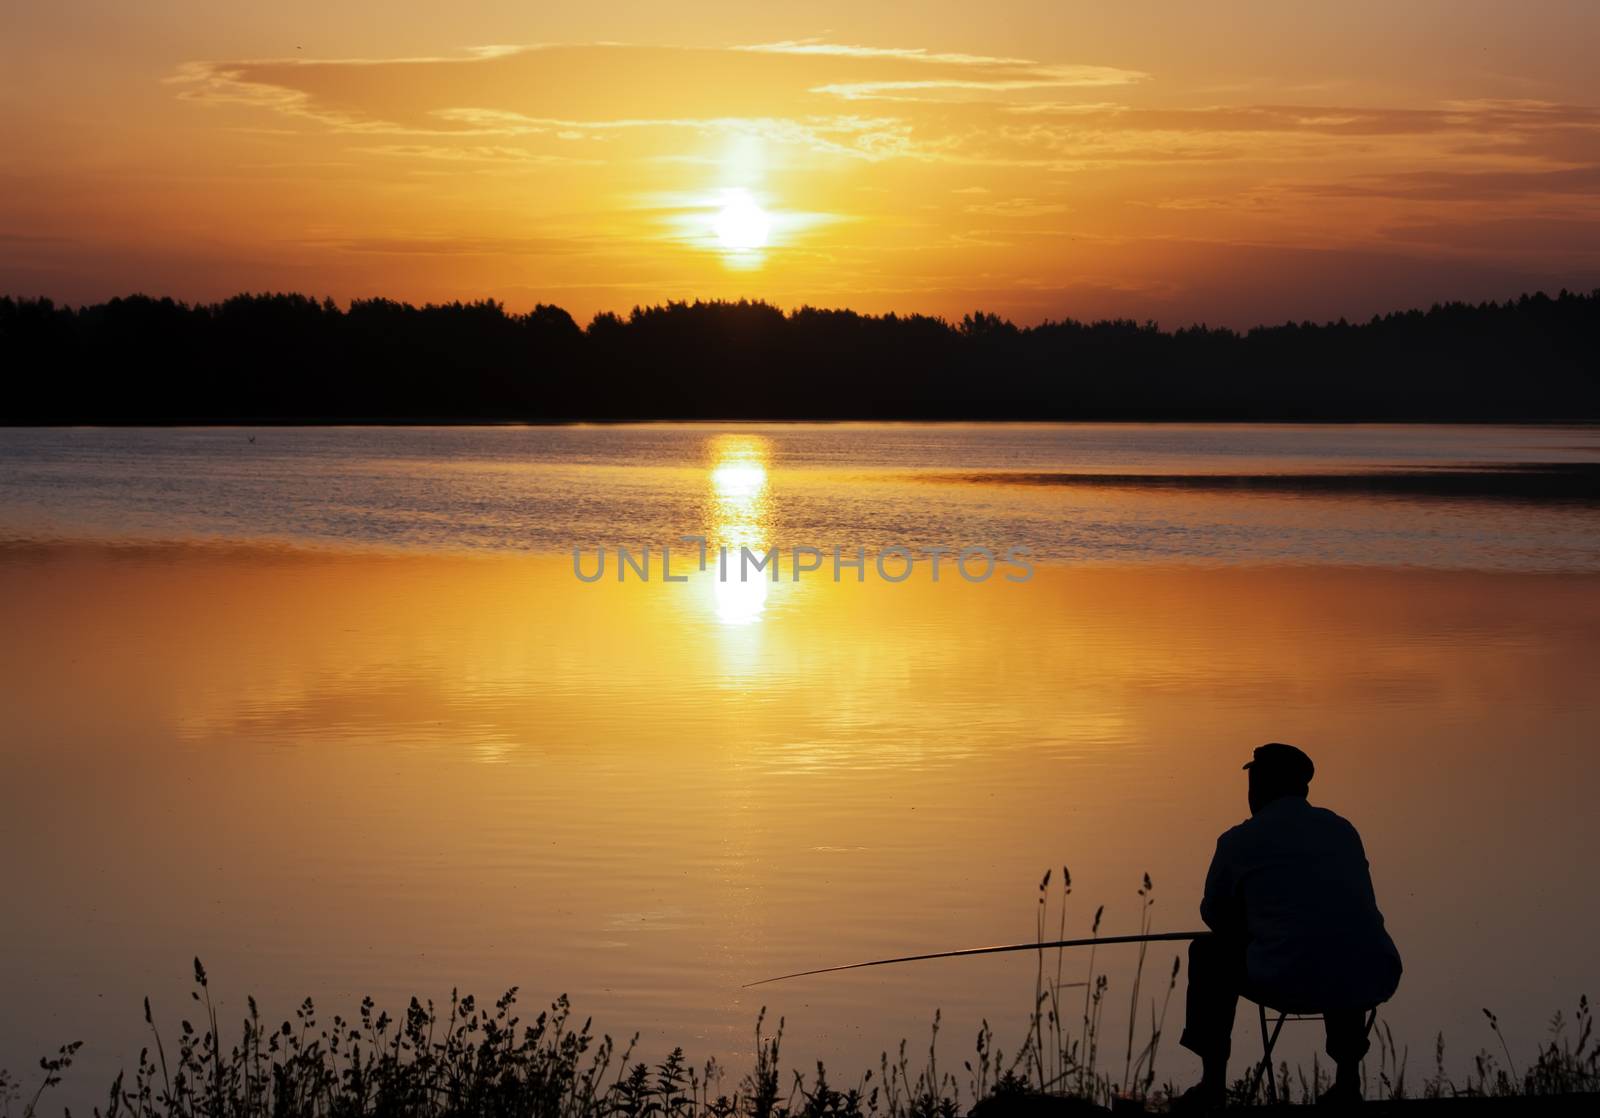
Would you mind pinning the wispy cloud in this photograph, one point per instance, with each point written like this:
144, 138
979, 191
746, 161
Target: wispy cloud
1017, 208
478, 153
820, 47
906, 90
942, 152
453, 245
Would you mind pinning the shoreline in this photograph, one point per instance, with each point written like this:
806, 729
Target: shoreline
1132, 420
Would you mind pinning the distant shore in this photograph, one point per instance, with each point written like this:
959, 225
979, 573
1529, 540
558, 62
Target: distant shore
426, 421
293, 359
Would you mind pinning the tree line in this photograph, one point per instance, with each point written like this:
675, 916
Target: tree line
288, 357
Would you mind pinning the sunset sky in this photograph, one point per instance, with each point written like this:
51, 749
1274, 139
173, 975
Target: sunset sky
1230, 163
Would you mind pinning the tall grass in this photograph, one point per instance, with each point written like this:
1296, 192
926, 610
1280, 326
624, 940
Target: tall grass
465, 1060
1060, 1059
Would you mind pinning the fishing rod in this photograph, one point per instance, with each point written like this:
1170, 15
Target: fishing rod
1154, 937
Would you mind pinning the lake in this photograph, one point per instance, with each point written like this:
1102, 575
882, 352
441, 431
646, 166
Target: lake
332, 710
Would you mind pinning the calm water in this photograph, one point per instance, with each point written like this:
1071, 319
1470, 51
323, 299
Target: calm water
548, 489
331, 711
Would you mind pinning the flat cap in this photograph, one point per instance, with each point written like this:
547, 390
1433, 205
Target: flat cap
1282, 762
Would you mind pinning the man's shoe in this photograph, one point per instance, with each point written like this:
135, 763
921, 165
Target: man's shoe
1344, 1092
1202, 1098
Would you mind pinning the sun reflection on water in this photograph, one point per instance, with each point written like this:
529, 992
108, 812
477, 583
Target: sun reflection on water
740, 512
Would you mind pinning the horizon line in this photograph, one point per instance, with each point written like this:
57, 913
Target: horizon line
792, 311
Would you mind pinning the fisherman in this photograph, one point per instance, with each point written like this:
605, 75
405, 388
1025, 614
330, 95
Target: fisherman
1294, 926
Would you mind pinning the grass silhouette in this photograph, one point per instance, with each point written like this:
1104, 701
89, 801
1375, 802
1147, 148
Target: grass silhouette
478, 1061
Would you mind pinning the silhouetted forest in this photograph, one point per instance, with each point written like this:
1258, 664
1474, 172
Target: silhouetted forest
267, 358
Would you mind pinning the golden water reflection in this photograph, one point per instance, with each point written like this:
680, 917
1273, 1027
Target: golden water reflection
740, 511
680, 804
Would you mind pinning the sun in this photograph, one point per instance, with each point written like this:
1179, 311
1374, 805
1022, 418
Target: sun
741, 224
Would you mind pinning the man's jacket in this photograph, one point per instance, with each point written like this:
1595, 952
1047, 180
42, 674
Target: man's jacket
1292, 880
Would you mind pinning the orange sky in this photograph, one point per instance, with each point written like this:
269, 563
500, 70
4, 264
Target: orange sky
1230, 162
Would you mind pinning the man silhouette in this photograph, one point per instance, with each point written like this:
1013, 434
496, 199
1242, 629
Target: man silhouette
1295, 927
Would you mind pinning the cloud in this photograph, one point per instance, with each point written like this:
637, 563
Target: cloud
1027, 80
1543, 238
1017, 207
915, 54
446, 245
1466, 185
993, 74
576, 87
845, 134
928, 106
933, 157
478, 153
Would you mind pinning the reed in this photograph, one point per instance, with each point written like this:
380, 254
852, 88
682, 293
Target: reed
464, 1060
